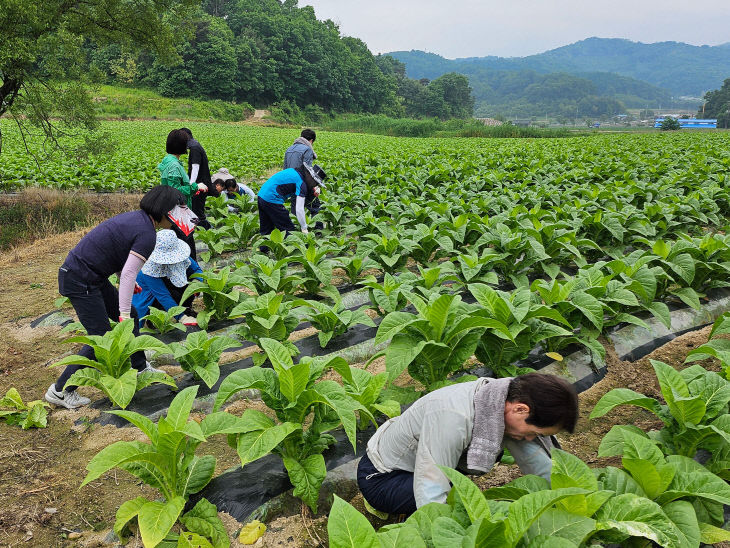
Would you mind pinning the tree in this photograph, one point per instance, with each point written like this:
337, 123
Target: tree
454, 89
669, 124
43, 69
717, 105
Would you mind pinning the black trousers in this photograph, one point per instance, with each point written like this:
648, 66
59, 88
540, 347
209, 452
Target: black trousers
273, 216
95, 305
391, 492
198, 207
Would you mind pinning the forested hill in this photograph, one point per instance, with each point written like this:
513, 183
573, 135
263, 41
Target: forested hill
679, 68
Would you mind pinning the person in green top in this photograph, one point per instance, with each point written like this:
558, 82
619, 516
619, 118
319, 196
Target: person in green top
172, 173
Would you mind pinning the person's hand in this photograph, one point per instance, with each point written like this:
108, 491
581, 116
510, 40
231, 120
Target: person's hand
202, 187
123, 317
188, 320
317, 190
137, 288
305, 231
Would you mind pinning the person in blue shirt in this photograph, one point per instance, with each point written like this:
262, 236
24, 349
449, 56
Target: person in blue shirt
164, 277
296, 184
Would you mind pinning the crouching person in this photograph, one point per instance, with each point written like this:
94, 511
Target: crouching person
291, 184
464, 426
164, 278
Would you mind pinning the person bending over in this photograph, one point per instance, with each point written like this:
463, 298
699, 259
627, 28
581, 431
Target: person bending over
464, 426
164, 278
295, 184
299, 153
227, 186
119, 245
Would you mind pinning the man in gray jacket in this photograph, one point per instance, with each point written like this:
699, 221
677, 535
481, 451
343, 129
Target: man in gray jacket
302, 152
464, 426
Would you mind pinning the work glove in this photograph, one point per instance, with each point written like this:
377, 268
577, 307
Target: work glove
188, 320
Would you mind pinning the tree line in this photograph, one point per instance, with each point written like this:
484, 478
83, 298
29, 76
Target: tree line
265, 52
717, 105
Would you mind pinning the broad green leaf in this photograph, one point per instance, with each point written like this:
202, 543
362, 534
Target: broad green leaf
192, 540
180, 407
307, 476
684, 517
624, 396
469, 494
199, 474
637, 517
562, 524
253, 377
203, 519
126, 512
653, 479
348, 528
254, 445
401, 536
670, 381
111, 456
423, 519
572, 472
446, 533
527, 509
590, 307
400, 353
392, 324
140, 421
691, 479
709, 534
688, 296
155, 519
612, 443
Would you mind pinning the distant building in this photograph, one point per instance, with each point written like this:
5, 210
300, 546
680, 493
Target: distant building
490, 121
690, 123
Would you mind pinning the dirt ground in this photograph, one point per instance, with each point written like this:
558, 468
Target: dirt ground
41, 469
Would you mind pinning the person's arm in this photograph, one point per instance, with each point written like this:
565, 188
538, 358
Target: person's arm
127, 283
194, 268
531, 456
308, 156
194, 173
161, 293
443, 440
299, 212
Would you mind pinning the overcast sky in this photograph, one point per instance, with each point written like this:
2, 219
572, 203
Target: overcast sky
515, 28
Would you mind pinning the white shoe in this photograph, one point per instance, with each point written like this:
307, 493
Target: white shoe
149, 369
68, 398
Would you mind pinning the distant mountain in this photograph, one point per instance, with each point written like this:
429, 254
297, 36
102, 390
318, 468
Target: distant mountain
679, 68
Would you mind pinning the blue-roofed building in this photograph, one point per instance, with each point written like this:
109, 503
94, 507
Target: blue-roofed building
691, 123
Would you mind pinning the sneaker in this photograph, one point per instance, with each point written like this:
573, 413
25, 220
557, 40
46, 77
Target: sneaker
68, 398
149, 369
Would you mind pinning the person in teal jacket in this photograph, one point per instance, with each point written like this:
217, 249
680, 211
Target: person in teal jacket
172, 173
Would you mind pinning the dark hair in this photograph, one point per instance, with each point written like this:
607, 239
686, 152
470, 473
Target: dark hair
309, 134
159, 200
186, 130
307, 177
552, 400
177, 142
230, 184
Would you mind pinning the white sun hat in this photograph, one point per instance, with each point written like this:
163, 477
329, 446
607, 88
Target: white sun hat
170, 259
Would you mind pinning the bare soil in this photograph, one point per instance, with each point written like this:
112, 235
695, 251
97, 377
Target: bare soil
41, 469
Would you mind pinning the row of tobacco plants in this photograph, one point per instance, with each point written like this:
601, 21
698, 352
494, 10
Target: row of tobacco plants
462, 252
670, 490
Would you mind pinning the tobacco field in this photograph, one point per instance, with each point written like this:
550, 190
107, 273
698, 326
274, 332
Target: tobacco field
450, 259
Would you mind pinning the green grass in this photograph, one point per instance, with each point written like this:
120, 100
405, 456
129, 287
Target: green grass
131, 103
406, 127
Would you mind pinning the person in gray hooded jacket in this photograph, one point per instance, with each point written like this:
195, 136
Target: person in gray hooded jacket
464, 426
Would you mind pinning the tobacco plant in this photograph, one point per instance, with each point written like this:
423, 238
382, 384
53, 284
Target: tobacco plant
163, 321
306, 409
111, 371
715, 347
333, 320
200, 355
528, 322
27, 415
435, 342
268, 316
168, 463
317, 267
389, 296
217, 289
355, 266
263, 275
696, 415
